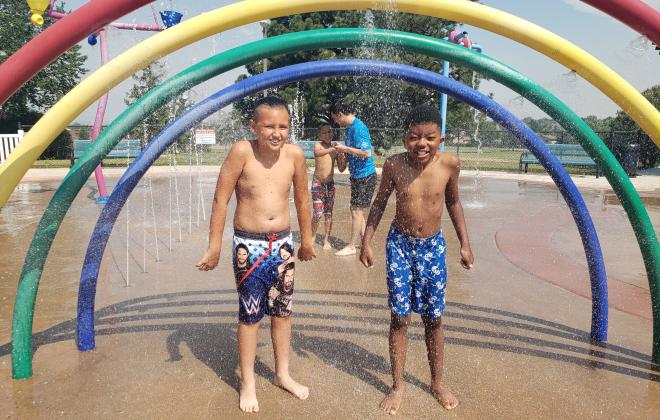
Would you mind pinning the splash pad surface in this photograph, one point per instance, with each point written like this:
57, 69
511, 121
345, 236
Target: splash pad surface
173, 331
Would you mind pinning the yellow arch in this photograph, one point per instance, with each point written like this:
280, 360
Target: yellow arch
241, 13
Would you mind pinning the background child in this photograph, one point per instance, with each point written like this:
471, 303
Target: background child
357, 150
261, 173
424, 180
323, 185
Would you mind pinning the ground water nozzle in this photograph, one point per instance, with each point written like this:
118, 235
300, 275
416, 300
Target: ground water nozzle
38, 8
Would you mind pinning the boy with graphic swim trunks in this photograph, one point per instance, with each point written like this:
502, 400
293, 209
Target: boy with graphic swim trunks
424, 181
261, 173
323, 185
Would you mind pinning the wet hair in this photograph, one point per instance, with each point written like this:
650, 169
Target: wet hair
341, 106
242, 246
270, 102
286, 246
423, 114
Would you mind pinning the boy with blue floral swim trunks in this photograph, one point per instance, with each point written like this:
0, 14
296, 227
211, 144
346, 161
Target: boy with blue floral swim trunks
424, 180
261, 173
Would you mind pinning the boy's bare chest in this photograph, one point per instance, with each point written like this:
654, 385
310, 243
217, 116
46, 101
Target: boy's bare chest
256, 177
425, 186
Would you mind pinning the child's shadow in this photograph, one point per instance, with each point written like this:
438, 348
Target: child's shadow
215, 345
350, 358
335, 242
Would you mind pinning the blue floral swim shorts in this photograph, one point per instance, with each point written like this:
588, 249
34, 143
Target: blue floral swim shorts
416, 273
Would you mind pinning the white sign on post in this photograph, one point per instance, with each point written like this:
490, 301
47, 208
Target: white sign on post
204, 136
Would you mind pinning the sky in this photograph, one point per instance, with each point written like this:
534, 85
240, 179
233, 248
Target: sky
609, 40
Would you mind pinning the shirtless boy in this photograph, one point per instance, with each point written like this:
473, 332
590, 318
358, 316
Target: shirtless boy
261, 173
424, 181
323, 185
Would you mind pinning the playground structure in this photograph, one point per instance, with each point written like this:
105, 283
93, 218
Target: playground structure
169, 18
249, 11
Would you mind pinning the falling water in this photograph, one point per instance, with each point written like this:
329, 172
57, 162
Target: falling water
641, 45
153, 218
170, 198
476, 201
297, 117
199, 159
144, 226
128, 228
190, 178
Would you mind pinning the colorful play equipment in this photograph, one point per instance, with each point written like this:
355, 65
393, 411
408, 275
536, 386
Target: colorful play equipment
38, 8
170, 18
634, 13
294, 73
60, 115
59, 37
456, 37
330, 38
252, 10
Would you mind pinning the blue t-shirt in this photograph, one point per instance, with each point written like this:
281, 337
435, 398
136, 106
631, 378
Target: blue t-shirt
357, 137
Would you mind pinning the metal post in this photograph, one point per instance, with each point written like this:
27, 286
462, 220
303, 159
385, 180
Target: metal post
443, 105
98, 124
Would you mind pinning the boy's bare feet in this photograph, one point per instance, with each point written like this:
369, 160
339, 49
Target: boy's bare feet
288, 384
327, 246
392, 402
347, 250
445, 397
248, 398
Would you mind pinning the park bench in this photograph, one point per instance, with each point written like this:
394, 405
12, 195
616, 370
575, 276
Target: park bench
568, 155
123, 149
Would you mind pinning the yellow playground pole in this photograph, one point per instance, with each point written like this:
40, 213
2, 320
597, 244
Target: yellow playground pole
241, 13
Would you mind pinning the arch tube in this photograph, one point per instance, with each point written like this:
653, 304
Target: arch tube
280, 76
236, 14
634, 13
334, 38
54, 41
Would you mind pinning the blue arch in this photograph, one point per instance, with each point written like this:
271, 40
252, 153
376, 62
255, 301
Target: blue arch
327, 68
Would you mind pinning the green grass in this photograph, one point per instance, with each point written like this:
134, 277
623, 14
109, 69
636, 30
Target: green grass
491, 159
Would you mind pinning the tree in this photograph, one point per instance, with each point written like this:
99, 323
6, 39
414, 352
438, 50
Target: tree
145, 80
380, 102
624, 131
27, 104
599, 125
48, 85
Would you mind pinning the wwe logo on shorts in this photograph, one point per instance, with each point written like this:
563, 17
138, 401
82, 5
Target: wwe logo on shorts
252, 305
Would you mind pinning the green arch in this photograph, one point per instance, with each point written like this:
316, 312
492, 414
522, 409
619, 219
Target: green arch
335, 38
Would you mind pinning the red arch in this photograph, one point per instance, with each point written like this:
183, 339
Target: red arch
634, 13
54, 41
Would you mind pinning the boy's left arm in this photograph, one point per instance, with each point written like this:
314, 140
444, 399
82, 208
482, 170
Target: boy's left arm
455, 210
303, 210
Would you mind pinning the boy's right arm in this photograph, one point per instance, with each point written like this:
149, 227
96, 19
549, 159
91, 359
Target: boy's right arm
341, 159
321, 151
376, 212
229, 173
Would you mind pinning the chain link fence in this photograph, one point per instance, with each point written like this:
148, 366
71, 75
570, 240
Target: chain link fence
485, 150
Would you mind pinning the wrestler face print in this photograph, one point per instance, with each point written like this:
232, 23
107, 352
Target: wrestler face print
287, 284
241, 257
285, 252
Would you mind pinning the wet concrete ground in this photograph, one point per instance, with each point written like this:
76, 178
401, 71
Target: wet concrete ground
516, 343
